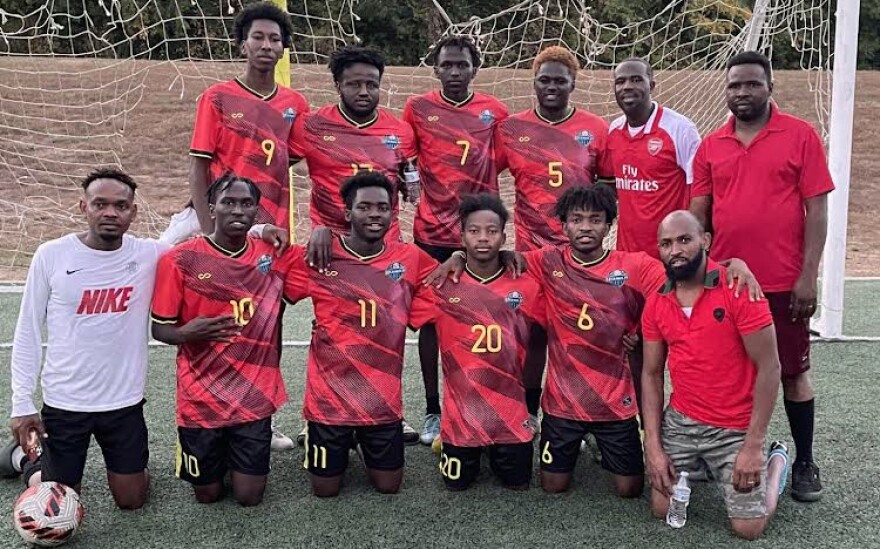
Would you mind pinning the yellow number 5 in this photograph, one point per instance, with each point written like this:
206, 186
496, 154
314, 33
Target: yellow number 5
585, 321
467, 147
554, 171
269, 149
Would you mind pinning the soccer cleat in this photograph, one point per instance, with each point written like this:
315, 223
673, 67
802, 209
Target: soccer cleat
780, 450
806, 485
280, 441
301, 437
7, 470
534, 424
410, 435
431, 430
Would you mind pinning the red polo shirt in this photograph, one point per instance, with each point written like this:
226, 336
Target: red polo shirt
758, 194
713, 378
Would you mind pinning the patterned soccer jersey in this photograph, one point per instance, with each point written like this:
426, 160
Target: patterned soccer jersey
589, 309
545, 160
224, 383
483, 329
362, 307
249, 134
456, 157
335, 148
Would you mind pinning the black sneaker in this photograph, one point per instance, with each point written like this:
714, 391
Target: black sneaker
805, 482
6, 468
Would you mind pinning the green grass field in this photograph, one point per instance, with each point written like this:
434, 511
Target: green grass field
424, 513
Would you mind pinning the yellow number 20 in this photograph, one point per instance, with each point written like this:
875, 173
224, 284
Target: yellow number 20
450, 467
554, 172
488, 338
268, 149
467, 147
585, 321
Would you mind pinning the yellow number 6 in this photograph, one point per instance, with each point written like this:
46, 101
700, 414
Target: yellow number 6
585, 321
268, 149
554, 171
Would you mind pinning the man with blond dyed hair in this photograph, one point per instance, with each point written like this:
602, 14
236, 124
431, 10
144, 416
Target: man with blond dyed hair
548, 149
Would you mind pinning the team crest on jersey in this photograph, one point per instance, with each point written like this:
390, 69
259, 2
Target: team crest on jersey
391, 141
132, 267
486, 117
289, 114
617, 278
514, 300
655, 145
583, 138
395, 271
264, 264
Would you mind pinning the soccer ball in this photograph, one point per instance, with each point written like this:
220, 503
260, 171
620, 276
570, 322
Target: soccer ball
47, 514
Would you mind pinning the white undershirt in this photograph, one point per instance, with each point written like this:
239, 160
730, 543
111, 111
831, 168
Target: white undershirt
687, 311
635, 131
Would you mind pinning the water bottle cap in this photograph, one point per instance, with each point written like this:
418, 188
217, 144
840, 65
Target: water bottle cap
685, 474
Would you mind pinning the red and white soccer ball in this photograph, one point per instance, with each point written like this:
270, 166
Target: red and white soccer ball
47, 514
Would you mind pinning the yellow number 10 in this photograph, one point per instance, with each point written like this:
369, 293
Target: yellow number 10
488, 338
467, 147
368, 312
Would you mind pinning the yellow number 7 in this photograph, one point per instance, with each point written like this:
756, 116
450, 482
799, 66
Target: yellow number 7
467, 147
554, 171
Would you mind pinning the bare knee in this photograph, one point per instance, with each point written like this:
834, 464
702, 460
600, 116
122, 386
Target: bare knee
326, 487
659, 504
129, 502
249, 498
749, 529
211, 493
629, 487
129, 491
386, 482
798, 388
555, 483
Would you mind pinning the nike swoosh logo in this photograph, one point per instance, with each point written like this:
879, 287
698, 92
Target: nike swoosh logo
74, 271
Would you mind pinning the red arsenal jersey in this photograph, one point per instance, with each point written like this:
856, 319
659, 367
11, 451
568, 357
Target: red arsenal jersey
335, 148
545, 159
362, 307
456, 157
483, 330
248, 134
652, 169
589, 309
224, 383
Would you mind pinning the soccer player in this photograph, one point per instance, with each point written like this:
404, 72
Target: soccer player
649, 154
92, 291
340, 140
483, 325
724, 369
455, 127
362, 307
218, 298
763, 183
244, 126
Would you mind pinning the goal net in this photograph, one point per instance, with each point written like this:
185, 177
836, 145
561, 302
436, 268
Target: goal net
86, 83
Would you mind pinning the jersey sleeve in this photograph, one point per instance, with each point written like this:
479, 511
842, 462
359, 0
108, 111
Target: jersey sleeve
601, 147
750, 316
168, 291
425, 307
815, 179
686, 144
533, 264
499, 149
302, 110
409, 148
206, 128
536, 309
650, 330
652, 274
296, 142
410, 118
701, 184
296, 279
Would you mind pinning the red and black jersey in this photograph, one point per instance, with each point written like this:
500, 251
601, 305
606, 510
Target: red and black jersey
546, 159
335, 148
456, 157
589, 309
483, 329
224, 383
249, 134
362, 307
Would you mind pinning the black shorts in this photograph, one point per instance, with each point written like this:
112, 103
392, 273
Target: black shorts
440, 253
618, 441
121, 434
205, 454
327, 447
511, 463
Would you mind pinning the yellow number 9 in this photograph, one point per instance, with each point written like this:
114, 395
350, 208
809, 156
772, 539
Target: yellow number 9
268, 149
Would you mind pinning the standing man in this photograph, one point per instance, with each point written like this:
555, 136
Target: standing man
244, 126
649, 153
454, 127
763, 183
721, 351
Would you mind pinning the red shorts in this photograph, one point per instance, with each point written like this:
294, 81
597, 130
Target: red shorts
792, 338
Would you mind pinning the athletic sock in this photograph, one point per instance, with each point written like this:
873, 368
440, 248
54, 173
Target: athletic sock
801, 416
533, 400
433, 406
29, 469
18, 457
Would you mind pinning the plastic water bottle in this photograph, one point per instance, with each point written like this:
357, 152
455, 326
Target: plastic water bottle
677, 515
412, 181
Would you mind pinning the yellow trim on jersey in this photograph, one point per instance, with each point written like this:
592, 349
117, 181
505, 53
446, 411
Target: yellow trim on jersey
591, 263
201, 154
265, 97
359, 256
358, 125
563, 119
461, 103
484, 280
224, 250
163, 320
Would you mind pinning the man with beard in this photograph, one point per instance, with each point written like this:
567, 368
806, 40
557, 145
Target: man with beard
762, 182
724, 370
649, 153
455, 127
